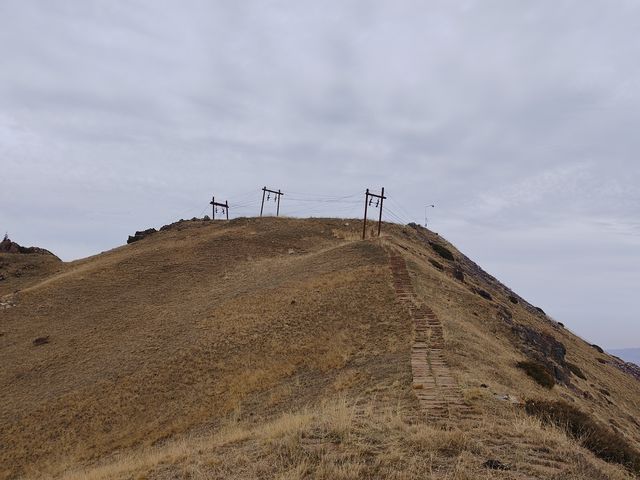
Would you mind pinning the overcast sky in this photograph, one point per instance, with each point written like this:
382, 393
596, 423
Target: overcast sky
519, 120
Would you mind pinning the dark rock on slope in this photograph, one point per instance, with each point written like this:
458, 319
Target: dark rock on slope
7, 246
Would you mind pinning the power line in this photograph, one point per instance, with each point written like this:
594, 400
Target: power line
316, 200
316, 195
394, 216
404, 213
397, 215
309, 204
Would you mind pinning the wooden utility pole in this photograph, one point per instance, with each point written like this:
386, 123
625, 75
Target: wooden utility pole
366, 202
276, 198
368, 199
215, 205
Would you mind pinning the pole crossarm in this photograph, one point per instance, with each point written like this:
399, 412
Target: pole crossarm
277, 192
382, 197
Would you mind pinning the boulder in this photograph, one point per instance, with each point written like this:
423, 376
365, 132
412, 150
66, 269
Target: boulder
483, 293
140, 235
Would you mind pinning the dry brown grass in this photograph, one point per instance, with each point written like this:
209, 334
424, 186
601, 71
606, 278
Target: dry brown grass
18, 271
329, 441
173, 333
210, 351
334, 441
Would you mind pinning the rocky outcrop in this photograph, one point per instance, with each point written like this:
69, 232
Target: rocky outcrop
545, 349
627, 367
538, 346
140, 235
7, 246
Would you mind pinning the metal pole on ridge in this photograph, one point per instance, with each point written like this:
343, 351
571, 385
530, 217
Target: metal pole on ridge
425, 213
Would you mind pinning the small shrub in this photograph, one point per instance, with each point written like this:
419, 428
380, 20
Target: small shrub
602, 361
449, 443
539, 310
513, 299
443, 251
599, 349
458, 274
484, 294
602, 441
538, 372
496, 465
436, 264
604, 392
576, 370
505, 313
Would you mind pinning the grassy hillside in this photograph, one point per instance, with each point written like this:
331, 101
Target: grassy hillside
20, 270
279, 348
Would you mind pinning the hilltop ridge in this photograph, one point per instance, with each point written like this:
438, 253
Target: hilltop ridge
8, 246
266, 347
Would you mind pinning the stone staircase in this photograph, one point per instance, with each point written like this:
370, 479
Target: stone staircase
438, 393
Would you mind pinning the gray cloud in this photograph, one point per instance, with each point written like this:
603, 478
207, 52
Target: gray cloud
517, 119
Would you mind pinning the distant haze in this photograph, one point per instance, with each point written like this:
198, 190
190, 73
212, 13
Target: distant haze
518, 120
627, 354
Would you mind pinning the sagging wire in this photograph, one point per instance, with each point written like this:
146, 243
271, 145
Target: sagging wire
404, 214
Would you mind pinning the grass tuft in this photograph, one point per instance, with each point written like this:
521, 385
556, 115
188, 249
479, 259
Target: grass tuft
576, 370
436, 264
538, 372
443, 251
599, 439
